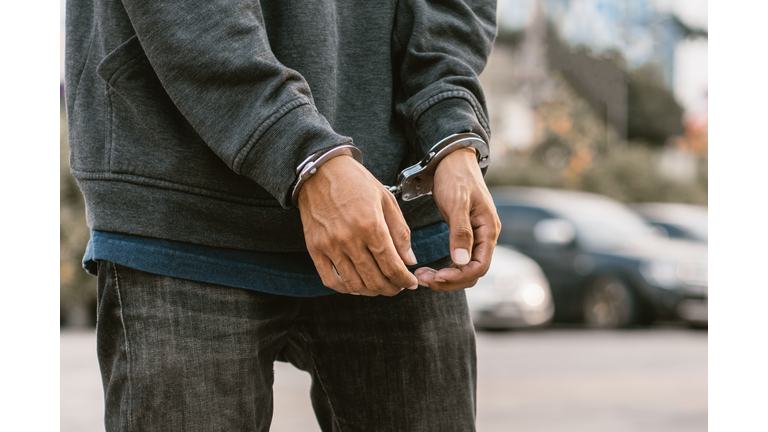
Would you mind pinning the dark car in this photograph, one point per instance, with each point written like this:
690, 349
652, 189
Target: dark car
604, 264
682, 221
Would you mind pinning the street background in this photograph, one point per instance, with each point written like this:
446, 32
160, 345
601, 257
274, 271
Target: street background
604, 96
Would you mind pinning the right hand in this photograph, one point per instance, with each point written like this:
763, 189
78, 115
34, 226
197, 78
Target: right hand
351, 222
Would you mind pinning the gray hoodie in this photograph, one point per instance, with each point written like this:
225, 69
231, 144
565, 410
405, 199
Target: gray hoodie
187, 119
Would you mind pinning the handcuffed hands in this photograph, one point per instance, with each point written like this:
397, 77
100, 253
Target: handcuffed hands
355, 232
463, 199
360, 242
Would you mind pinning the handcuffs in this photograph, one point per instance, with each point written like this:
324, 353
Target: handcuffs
417, 180
413, 182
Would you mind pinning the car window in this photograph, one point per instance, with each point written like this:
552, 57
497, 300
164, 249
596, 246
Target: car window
517, 224
605, 224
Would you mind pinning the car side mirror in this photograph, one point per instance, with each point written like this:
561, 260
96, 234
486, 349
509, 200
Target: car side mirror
555, 232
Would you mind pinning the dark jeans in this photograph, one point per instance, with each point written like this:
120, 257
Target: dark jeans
179, 355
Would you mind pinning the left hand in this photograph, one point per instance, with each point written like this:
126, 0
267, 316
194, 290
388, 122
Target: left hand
463, 199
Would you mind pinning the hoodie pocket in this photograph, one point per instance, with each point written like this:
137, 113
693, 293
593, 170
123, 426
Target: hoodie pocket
149, 137
122, 58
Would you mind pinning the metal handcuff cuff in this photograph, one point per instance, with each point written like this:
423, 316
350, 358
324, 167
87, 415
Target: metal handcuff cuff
417, 180
413, 182
310, 165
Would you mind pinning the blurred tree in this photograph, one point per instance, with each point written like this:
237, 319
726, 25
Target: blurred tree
77, 288
601, 127
631, 174
628, 173
653, 113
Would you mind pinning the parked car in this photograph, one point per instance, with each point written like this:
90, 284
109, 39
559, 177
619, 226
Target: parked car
513, 294
604, 264
682, 221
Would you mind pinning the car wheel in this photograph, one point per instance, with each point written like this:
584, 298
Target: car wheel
609, 303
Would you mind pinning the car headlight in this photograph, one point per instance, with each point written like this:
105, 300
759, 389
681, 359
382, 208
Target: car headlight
534, 295
528, 292
672, 274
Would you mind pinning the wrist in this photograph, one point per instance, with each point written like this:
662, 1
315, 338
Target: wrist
310, 166
458, 162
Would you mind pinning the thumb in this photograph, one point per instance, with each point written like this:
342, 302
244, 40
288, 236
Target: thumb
398, 230
461, 235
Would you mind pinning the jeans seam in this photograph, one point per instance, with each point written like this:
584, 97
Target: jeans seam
319, 380
125, 336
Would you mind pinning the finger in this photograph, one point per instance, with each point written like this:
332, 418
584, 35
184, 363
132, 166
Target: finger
351, 279
373, 278
481, 259
425, 275
327, 273
398, 229
429, 279
461, 235
421, 270
389, 263
462, 274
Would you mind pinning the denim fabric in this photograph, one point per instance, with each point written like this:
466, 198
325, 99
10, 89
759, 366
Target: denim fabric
178, 355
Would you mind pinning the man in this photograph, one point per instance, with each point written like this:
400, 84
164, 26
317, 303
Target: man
218, 147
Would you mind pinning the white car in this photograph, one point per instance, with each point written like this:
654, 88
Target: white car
513, 294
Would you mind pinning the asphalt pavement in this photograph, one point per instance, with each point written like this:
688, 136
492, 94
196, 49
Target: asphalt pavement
559, 379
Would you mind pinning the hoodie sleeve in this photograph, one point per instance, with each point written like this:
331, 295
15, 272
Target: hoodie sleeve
214, 60
439, 49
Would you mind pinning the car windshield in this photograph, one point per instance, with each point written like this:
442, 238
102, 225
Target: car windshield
605, 224
695, 222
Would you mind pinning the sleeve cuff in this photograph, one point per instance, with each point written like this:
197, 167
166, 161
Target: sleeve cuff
447, 117
274, 156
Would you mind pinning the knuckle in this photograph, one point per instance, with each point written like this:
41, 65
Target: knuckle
378, 249
341, 289
326, 282
378, 288
344, 237
364, 223
355, 287
404, 233
323, 244
332, 284
483, 270
401, 241
389, 198
463, 232
389, 270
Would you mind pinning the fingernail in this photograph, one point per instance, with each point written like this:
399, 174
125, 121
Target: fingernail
438, 279
460, 256
414, 286
412, 257
355, 293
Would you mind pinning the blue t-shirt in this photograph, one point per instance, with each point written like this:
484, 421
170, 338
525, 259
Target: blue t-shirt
284, 273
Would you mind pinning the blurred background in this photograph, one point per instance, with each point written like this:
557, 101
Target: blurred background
594, 314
